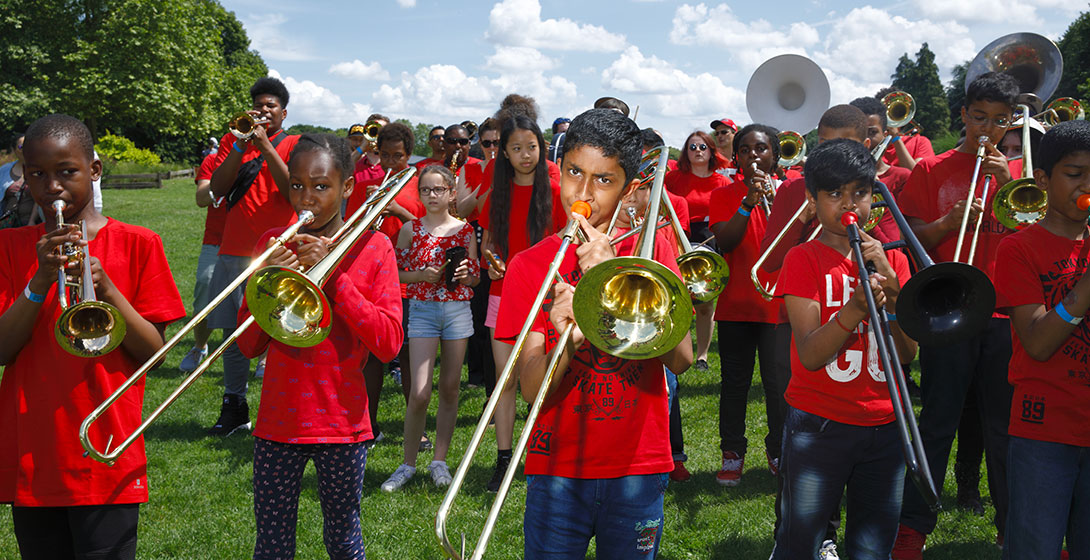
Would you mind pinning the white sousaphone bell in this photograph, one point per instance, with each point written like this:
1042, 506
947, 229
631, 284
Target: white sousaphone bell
789, 92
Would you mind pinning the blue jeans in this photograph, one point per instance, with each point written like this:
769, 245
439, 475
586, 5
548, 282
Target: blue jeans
624, 515
820, 457
1049, 496
677, 441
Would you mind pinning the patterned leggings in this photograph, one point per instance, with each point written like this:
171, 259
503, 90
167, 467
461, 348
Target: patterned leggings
278, 473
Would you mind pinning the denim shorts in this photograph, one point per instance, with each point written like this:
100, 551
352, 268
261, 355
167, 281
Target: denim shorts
448, 320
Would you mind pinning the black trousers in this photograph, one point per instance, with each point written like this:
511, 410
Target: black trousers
481, 365
739, 343
946, 375
82, 532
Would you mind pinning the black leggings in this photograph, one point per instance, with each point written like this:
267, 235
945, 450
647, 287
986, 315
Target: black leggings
82, 532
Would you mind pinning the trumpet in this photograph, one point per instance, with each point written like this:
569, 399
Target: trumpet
767, 192
900, 108
1021, 202
87, 327
290, 305
792, 148
370, 132
243, 125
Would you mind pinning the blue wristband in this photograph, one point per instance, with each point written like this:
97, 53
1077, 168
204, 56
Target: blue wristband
894, 139
742, 210
891, 316
237, 149
1062, 312
359, 150
36, 298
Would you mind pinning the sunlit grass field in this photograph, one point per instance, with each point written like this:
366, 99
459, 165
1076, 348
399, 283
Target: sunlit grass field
202, 498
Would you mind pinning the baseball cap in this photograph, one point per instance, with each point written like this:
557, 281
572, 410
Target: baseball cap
356, 130
726, 122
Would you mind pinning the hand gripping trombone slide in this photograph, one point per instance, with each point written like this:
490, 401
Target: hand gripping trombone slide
373, 207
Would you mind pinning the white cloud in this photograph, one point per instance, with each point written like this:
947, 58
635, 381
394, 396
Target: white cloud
519, 59
519, 23
988, 11
358, 70
314, 104
267, 37
406, 3
718, 26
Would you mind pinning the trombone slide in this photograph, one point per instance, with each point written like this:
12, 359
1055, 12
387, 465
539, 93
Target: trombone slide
969, 199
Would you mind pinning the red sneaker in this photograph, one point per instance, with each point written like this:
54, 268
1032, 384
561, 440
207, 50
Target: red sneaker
909, 544
773, 464
731, 473
680, 473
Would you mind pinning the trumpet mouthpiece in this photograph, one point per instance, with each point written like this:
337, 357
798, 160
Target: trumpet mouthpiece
59, 205
581, 208
306, 216
849, 218
1084, 202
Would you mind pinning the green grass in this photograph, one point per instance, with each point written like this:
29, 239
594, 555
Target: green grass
202, 499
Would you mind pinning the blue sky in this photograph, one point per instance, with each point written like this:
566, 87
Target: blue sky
683, 63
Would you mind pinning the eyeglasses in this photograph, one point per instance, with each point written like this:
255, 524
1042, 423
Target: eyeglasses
490, 143
724, 132
700, 147
437, 137
1001, 122
428, 191
462, 141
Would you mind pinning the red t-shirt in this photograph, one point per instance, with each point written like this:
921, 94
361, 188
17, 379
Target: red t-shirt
426, 162
740, 301
429, 250
317, 394
216, 216
263, 207
839, 392
918, 147
490, 170
517, 237
46, 392
697, 191
365, 172
1050, 397
408, 198
935, 186
609, 417
681, 208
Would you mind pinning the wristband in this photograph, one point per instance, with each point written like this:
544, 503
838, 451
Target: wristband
36, 298
237, 149
743, 211
1059, 309
894, 140
839, 324
892, 317
359, 150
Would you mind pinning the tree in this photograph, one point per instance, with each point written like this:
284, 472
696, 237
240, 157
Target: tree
1075, 48
955, 92
921, 79
420, 137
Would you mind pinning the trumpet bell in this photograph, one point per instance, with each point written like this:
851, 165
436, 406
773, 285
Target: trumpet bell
945, 303
289, 306
1031, 59
90, 328
792, 148
1019, 203
1064, 109
789, 92
900, 108
242, 125
705, 273
632, 308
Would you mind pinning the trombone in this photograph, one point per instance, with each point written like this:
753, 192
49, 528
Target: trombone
792, 148
704, 271
969, 204
1021, 203
87, 327
1062, 109
243, 125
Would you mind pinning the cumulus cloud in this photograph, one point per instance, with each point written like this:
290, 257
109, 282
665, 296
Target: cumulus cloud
406, 3
314, 104
519, 23
359, 70
267, 32
984, 11
719, 26
519, 60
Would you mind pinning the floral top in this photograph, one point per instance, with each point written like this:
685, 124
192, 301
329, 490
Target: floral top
429, 250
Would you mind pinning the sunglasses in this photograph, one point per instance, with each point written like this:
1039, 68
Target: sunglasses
437, 136
695, 147
428, 191
724, 132
462, 141
490, 143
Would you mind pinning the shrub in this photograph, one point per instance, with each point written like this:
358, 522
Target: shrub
119, 148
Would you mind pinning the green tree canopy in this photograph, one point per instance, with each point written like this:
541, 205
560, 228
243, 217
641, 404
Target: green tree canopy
164, 73
1075, 48
955, 93
921, 79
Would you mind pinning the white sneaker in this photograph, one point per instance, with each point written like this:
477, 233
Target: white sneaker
259, 372
399, 478
192, 359
440, 473
828, 551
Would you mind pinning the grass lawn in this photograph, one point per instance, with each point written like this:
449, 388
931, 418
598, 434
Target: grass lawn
202, 498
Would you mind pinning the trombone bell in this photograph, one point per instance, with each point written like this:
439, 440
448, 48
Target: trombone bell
705, 273
1019, 203
792, 148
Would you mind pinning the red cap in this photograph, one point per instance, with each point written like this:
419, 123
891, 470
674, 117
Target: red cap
581, 208
725, 122
849, 218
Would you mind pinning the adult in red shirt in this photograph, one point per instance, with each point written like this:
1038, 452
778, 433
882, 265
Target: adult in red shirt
1044, 286
438, 145
934, 201
256, 201
724, 131
63, 503
458, 143
522, 208
695, 179
602, 449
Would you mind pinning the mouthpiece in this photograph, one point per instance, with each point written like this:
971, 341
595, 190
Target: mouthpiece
849, 218
58, 205
581, 208
1083, 202
306, 216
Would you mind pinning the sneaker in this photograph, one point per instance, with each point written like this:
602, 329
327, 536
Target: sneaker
909, 544
497, 475
731, 473
192, 359
259, 371
701, 365
234, 415
440, 473
425, 444
371, 442
395, 372
828, 551
680, 473
999, 541
773, 464
399, 478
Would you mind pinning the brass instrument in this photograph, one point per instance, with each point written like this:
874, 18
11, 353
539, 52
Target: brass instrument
789, 92
900, 108
767, 193
87, 327
704, 271
792, 148
370, 132
243, 125
1033, 60
969, 204
1062, 109
471, 130
290, 305
1021, 202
